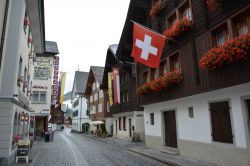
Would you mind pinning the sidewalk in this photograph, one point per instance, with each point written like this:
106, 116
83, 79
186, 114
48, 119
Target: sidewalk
140, 148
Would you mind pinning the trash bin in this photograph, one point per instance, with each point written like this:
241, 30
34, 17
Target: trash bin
51, 135
46, 137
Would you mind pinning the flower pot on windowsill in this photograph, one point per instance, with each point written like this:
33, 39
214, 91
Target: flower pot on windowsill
213, 4
178, 28
167, 81
230, 52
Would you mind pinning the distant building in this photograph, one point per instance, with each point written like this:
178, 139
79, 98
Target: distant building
97, 98
80, 121
41, 89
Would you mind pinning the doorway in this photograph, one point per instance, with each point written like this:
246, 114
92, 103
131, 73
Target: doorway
130, 127
170, 129
115, 127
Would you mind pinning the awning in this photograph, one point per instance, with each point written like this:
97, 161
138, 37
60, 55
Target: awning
97, 122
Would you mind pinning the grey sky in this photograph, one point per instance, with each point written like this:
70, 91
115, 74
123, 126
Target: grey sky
83, 30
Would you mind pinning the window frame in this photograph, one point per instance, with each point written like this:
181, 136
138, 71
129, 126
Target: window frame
39, 97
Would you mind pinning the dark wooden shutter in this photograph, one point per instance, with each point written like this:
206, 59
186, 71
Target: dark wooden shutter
221, 122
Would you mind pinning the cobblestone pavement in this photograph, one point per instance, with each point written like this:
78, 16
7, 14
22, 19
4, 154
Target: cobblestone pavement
70, 149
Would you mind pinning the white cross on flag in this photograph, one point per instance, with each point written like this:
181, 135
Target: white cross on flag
147, 46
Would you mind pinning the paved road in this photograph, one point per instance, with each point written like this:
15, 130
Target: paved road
70, 149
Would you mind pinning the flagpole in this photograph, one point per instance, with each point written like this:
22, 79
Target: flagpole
153, 31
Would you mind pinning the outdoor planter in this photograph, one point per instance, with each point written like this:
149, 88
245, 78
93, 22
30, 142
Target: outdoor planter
231, 51
156, 8
168, 80
213, 4
178, 28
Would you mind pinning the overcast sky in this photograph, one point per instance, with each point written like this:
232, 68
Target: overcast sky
83, 30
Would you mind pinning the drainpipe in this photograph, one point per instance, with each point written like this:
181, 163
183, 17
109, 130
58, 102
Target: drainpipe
4, 29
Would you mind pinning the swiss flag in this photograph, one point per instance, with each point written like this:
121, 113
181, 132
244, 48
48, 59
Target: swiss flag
147, 46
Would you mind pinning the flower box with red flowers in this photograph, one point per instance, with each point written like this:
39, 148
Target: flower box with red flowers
26, 22
231, 51
29, 40
213, 4
156, 8
178, 28
168, 80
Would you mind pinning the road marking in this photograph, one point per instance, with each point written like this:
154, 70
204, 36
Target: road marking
80, 161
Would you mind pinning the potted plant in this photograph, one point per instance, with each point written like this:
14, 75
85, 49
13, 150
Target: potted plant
231, 51
213, 4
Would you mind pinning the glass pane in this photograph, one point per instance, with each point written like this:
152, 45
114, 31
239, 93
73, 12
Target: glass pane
43, 97
35, 96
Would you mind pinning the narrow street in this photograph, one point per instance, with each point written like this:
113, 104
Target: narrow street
69, 149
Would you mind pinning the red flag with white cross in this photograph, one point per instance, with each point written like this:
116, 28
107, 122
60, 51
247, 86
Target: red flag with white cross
147, 46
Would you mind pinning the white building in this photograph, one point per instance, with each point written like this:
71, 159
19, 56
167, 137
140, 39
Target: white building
24, 35
80, 121
41, 88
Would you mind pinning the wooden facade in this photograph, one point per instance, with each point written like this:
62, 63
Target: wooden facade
191, 46
98, 96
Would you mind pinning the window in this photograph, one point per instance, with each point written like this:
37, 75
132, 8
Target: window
191, 112
171, 20
95, 96
41, 73
221, 122
120, 123
76, 103
124, 123
240, 24
25, 83
75, 113
220, 35
145, 77
108, 107
100, 94
100, 107
153, 74
25, 21
124, 96
124, 77
20, 79
39, 97
29, 41
93, 86
91, 98
174, 62
163, 68
152, 120
185, 11
94, 109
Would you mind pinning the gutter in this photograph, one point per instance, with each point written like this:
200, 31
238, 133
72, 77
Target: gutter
4, 30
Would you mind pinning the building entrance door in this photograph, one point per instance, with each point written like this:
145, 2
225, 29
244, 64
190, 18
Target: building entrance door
116, 127
130, 127
170, 129
248, 125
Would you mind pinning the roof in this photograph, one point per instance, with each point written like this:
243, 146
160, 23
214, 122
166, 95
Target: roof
98, 73
113, 48
51, 47
80, 81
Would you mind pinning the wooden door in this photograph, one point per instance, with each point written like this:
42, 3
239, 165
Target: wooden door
130, 129
170, 129
221, 122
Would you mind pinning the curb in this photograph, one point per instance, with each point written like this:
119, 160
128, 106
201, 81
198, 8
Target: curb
154, 158
149, 156
95, 138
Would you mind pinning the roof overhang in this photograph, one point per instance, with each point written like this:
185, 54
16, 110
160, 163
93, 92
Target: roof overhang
35, 9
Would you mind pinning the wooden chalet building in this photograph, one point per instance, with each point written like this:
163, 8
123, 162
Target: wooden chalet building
96, 99
127, 115
200, 106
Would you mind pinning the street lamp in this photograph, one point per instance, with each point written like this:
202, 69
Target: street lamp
23, 116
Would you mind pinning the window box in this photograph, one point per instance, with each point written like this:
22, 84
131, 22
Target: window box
230, 52
157, 7
168, 80
213, 4
178, 28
